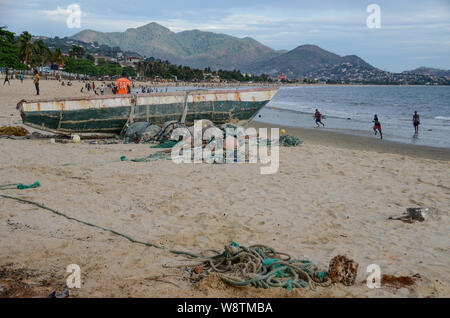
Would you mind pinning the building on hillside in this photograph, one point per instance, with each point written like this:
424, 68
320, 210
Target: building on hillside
131, 61
106, 58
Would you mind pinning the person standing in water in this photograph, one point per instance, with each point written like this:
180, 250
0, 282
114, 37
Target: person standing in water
318, 117
416, 122
377, 126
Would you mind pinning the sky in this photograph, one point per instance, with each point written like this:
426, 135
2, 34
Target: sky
411, 33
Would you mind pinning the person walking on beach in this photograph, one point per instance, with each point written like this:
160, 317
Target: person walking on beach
318, 117
416, 122
36, 81
377, 126
6, 78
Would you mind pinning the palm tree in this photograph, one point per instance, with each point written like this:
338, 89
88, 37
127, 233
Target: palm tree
77, 52
41, 53
6, 35
57, 57
140, 68
25, 47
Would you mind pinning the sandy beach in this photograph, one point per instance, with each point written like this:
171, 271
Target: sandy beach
332, 196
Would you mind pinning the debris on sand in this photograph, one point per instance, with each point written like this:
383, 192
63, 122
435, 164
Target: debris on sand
343, 270
399, 282
64, 294
416, 214
18, 282
13, 131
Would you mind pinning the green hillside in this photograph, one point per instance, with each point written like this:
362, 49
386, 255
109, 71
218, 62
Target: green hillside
194, 48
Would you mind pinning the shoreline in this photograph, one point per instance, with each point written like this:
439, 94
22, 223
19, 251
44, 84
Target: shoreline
325, 137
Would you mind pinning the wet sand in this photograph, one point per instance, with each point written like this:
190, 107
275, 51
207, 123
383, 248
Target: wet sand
326, 137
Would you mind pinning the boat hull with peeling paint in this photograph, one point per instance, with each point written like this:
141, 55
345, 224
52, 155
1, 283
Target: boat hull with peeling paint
108, 114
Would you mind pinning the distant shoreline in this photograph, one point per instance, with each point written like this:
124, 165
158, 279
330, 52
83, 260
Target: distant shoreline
233, 84
213, 84
181, 84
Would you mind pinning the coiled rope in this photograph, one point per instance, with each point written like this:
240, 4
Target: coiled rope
261, 266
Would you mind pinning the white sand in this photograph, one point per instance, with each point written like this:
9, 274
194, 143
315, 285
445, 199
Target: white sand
324, 201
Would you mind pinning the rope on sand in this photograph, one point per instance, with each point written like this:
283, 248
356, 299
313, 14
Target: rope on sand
19, 186
87, 223
258, 265
159, 155
261, 266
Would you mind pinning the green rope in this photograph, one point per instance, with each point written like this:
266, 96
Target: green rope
36, 184
19, 186
262, 266
153, 157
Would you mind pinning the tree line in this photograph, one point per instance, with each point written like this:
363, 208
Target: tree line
23, 53
157, 68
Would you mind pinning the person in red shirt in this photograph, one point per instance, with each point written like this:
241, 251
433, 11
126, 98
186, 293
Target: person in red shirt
123, 86
377, 126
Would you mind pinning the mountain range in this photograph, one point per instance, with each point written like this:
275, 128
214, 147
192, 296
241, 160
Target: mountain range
202, 49
193, 48
429, 71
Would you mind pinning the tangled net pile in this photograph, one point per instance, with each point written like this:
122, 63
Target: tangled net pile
290, 141
13, 131
260, 266
284, 141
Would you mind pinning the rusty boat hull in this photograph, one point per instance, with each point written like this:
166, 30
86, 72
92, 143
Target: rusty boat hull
108, 114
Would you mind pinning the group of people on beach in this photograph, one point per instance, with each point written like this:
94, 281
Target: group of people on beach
36, 79
376, 126
149, 89
7, 78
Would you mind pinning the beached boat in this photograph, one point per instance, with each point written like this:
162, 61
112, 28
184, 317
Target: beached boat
109, 114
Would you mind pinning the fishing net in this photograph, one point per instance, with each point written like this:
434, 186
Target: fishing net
13, 131
284, 141
290, 141
135, 132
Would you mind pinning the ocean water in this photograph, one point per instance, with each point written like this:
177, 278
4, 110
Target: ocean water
350, 109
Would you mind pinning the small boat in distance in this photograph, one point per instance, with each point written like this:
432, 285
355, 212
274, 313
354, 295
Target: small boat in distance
109, 114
